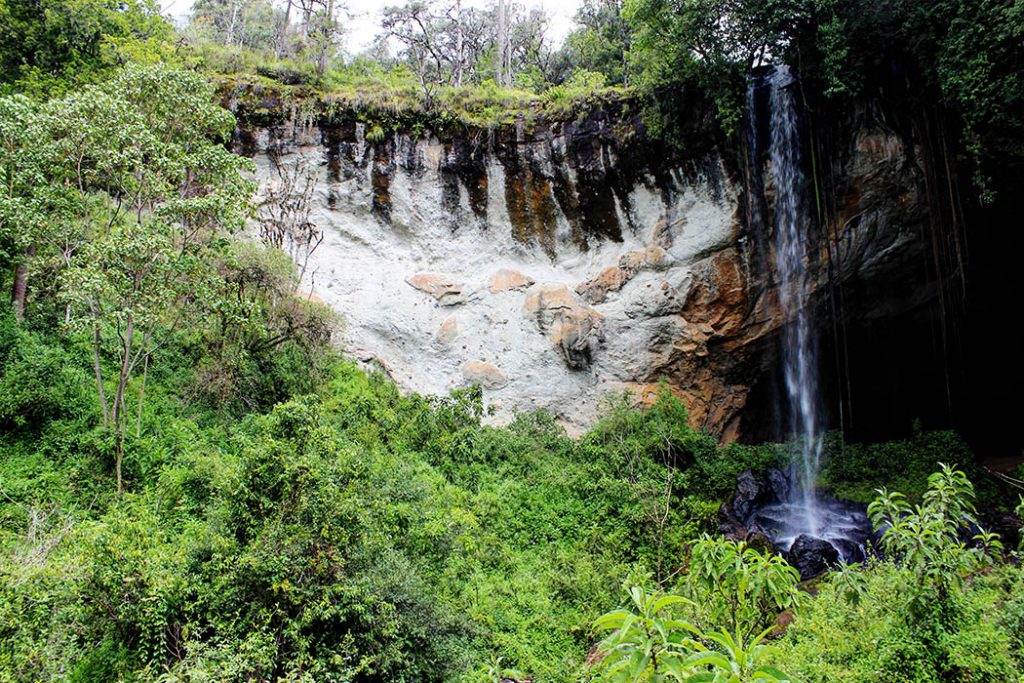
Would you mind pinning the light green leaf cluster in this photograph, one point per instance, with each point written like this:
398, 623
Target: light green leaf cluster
739, 586
648, 643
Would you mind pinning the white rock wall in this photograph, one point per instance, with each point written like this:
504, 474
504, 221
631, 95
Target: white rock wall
474, 334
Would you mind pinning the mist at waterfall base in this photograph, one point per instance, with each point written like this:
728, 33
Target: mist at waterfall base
794, 516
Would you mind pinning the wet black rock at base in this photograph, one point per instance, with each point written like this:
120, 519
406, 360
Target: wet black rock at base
768, 512
812, 556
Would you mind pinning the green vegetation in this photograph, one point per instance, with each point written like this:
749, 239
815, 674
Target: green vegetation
940, 608
356, 533
48, 45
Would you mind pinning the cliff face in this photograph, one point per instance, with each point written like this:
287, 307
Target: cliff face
559, 262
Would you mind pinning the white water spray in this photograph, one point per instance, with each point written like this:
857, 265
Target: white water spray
798, 348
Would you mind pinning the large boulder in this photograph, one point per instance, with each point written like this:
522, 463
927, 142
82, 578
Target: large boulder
757, 490
812, 556
445, 289
483, 373
508, 280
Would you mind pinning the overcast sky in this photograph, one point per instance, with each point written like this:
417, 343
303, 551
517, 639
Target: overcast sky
365, 21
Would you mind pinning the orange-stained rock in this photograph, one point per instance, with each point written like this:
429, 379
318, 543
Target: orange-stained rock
448, 330
443, 288
650, 257
483, 373
548, 296
719, 296
506, 279
610, 280
576, 330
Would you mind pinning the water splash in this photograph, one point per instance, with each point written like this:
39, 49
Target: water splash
799, 358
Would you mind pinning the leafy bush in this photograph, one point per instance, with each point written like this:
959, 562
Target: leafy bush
923, 614
738, 588
648, 644
864, 635
855, 471
38, 381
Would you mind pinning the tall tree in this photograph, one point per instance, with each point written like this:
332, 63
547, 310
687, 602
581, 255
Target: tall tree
502, 39
601, 44
28, 200
145, 151
47, 44
251, 23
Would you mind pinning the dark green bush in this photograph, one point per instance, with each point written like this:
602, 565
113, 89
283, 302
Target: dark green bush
39, 381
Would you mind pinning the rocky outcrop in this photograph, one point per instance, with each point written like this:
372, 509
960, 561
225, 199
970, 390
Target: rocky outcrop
448, 331
508, 280
576, 330
596, 290
447, 291
576, 256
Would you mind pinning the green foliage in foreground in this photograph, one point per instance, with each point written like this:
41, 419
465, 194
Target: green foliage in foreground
939, 608
358, 534
647, 644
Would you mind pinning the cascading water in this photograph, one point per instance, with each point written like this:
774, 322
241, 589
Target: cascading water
790, 512
799, 359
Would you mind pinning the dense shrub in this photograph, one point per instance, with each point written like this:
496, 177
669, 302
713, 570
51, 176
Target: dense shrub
39, 381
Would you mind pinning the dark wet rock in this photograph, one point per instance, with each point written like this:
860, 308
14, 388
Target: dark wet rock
760, 542
748, 494
812, 556
781, 484
767, 524
849, 551
729, 524
753, 491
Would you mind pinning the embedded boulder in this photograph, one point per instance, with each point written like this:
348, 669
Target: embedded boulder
446, 290
576, 330
508, 280
448, 331
610, 279
613, 279
483, 373
757, 490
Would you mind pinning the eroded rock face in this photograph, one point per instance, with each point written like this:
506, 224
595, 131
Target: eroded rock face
574, 256
577, 331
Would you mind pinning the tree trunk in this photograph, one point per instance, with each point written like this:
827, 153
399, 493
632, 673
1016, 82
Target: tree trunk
122, 383
142, 395
459, 43
282, 35
229, 38
502, 44
328, 37
99, 373
20, 288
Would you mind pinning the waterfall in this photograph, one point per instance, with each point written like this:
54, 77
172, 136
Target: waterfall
799, 358
811, 530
